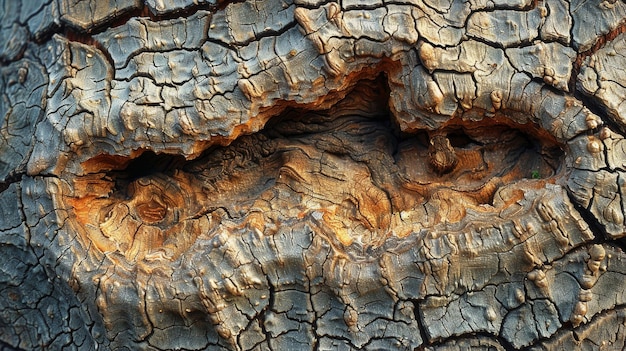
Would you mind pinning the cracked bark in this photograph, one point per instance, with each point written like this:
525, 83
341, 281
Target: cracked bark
292, 175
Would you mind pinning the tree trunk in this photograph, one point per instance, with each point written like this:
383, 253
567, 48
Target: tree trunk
310, 175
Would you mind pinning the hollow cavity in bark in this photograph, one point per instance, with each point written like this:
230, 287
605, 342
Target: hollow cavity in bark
348, 171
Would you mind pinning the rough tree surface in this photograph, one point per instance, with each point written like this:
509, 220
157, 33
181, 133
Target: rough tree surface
312, 175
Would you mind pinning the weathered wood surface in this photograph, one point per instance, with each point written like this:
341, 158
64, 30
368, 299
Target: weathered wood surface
293, 175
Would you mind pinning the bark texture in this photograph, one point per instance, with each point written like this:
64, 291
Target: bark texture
312, 175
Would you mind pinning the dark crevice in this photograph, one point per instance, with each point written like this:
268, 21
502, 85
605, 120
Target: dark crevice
86, 39
268, 33
85, 35
6, 347
468, 337
420, 323
358, 6
600, 43
578, 333
263, 315
594, 226
148, 163
221, 43
10, 179
597, 108
144, 11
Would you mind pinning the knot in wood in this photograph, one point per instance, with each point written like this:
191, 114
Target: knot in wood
150, 204
441, 154
153, 210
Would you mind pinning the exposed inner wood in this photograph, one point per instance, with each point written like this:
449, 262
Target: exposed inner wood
348, 167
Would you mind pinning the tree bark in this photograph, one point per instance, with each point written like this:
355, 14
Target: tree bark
312, 175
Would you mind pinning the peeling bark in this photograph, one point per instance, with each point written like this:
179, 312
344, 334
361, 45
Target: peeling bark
293, 175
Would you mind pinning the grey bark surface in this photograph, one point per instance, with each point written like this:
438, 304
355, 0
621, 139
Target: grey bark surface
312, 175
